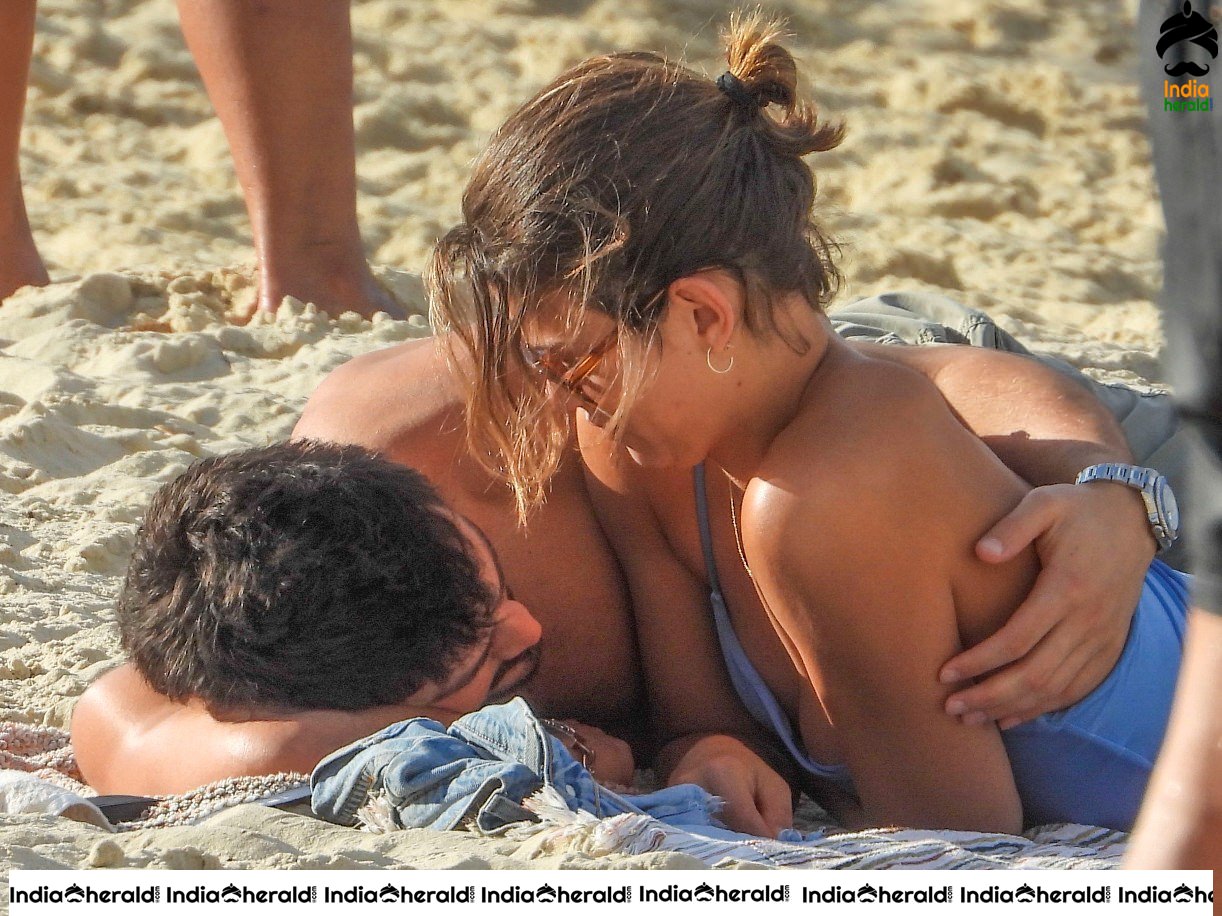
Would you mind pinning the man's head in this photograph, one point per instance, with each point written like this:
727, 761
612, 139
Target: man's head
314, 576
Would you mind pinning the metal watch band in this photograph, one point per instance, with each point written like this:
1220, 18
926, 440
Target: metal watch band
1120, 473
1144, 480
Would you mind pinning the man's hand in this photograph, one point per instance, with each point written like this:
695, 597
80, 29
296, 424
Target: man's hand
757, 800
1094, 544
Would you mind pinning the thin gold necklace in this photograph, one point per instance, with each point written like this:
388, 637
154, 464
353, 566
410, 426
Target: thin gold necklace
738, 538
738, 542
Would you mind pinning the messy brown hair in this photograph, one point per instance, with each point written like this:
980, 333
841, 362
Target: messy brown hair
623, 175
302, 575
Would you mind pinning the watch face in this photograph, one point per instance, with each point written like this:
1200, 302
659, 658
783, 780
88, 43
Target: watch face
1169, 508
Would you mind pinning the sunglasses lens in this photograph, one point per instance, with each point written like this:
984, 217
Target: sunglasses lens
573, 380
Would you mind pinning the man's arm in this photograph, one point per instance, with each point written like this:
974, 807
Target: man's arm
1042, 424
1094, 542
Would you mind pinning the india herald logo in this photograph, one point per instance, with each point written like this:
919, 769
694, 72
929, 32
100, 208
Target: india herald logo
1187, 27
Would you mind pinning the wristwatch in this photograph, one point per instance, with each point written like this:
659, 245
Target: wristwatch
1161, 507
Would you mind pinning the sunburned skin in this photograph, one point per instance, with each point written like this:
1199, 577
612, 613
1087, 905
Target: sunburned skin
129, 739
404, 402
989, 593
669, 495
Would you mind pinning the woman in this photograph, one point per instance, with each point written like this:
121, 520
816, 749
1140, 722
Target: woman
640, 237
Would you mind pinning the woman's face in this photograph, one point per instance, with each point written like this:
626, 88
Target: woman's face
672, 419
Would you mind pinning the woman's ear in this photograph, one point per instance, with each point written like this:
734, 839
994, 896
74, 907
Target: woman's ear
708, 305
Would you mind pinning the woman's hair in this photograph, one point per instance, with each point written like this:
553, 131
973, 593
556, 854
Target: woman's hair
625, 174
303, 575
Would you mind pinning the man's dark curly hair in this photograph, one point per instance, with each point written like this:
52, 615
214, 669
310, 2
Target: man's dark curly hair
300, 576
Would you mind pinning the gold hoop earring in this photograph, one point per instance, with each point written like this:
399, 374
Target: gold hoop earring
708, 358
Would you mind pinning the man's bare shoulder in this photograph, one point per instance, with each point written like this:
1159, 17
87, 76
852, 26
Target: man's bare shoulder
110, 716
402, 401
120, 695
128, 738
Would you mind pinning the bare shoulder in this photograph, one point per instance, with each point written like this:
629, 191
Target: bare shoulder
352, 402
402, 401
110, 714
860, 434
858, 529
128, 738
932, 359
119, 694
924, 358
875, 465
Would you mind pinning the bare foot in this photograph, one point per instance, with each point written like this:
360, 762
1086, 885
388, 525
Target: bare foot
334, 284
20, 264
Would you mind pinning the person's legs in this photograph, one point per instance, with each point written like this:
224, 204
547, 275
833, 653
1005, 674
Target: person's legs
1181, 820
20, 264
279, 74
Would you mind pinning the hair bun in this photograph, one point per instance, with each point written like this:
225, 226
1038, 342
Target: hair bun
737, 90
757, 59
768, 75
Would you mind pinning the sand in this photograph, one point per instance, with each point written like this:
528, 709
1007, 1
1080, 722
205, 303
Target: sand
995, 152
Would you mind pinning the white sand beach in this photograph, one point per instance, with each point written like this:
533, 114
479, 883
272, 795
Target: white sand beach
995, 152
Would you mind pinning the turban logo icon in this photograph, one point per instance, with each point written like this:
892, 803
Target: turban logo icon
1186, 27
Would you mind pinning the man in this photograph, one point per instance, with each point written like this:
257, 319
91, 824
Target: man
286, 601
406, 402
561, 564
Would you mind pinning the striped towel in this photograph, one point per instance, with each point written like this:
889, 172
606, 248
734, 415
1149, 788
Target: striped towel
1058, 846
45, 753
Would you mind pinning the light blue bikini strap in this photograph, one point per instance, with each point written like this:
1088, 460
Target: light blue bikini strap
706, 533
747, 682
